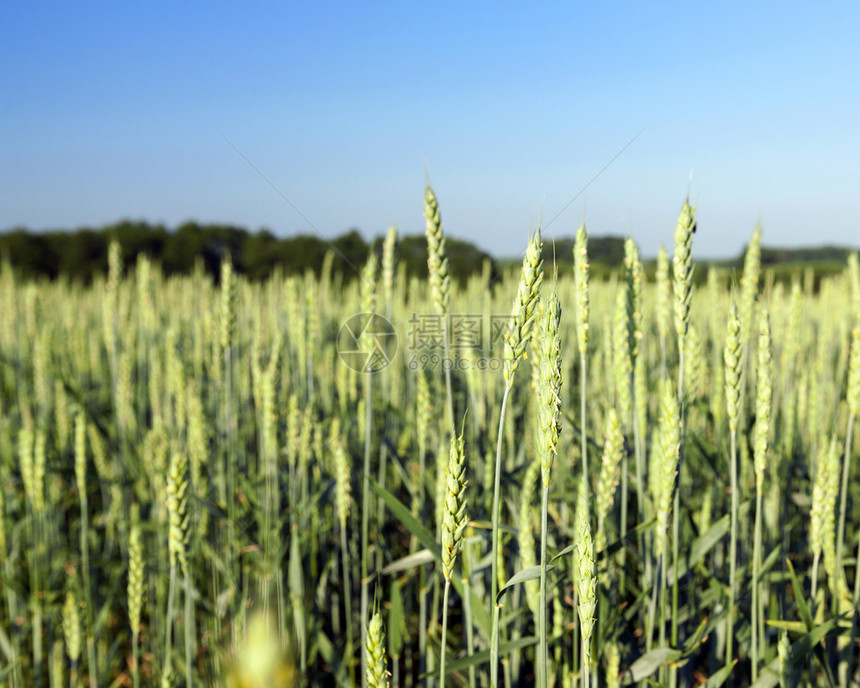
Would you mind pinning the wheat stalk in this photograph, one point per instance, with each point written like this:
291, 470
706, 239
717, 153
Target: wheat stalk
516, 339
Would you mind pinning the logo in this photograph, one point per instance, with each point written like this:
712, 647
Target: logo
367, 342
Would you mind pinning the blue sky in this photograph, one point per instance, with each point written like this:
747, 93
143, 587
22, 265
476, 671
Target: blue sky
132, 110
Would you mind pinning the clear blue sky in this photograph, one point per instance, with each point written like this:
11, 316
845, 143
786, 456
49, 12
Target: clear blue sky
113, 110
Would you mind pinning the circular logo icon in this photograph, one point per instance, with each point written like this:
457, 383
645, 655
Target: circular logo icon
367, 342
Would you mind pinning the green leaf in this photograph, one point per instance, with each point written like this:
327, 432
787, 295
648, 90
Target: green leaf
5, 671
648, 663
799, 649
719, 678
331, 656
802, 608
802, 647
566, 550
410, 561
695, 640
528, 574
793, 626
769, 677
404, 515
707, 541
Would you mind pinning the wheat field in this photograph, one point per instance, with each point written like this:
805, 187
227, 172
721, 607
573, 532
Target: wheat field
367, 480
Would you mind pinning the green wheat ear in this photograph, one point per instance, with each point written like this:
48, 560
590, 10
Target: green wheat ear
135, 570
177, 497
454, 518
549, 391
72, 620
523, 313
732, 360
666, 463
526, 533
586, 580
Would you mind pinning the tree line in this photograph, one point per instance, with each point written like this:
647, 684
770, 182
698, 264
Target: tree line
81, 254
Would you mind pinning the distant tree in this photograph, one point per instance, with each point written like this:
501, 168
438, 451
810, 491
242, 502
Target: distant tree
84, 254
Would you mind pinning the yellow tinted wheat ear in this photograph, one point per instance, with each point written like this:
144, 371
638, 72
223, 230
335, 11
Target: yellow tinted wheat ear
580, 285
40, 458
764, 393
607, 482
612, 656
695, 371
228, 303
342, 471
749, 284
633, 274
682, 267
440, 284
135, 588
853, 407
437, 258
388, 249
854, 370
376, 665
764, 387
27, 466
81, 455
732, 366
822, 514
664, 303
732, 360
58, 663
368, 283
580, 281
666, 464
72, 621
3, 554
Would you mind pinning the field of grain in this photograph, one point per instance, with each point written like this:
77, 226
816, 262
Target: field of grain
545, 480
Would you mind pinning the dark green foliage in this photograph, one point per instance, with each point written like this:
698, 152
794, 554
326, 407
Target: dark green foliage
81, 254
